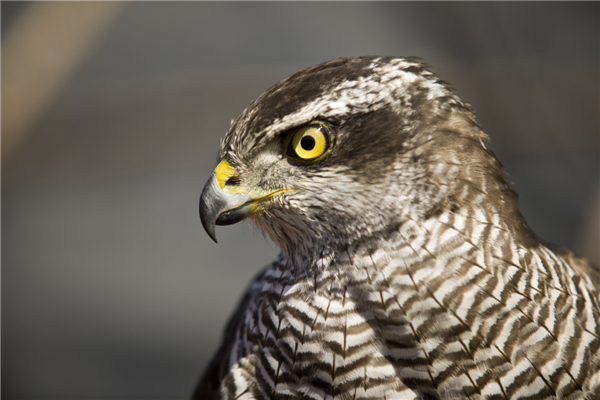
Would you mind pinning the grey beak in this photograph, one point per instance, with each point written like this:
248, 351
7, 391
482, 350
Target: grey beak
218, 207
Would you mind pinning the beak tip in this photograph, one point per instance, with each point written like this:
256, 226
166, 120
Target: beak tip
208, 225
208, 210
213, 236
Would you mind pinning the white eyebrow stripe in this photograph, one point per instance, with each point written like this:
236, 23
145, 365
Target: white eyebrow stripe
385, 87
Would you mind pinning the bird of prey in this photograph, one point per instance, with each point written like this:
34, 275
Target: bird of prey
406, 269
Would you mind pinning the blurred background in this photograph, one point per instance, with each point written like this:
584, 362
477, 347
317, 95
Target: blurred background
111, 119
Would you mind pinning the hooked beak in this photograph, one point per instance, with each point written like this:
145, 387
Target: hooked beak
225, 204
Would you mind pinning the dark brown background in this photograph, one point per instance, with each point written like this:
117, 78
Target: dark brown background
110, 287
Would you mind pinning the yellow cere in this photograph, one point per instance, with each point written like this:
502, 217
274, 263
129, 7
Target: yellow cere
223, 172
309, 141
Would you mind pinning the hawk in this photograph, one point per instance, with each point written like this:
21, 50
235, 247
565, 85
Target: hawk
406, 269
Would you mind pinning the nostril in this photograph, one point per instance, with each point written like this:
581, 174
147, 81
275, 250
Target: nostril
233, 181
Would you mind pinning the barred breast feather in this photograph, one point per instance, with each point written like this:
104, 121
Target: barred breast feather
479, 321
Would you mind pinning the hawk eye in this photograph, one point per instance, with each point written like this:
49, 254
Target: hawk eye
309, 141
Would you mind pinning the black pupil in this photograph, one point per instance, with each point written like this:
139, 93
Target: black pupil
308, 143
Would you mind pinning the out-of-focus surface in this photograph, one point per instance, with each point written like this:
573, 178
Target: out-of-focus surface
110, 288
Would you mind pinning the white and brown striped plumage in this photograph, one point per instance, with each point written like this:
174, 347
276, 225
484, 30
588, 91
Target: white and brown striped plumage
407, 270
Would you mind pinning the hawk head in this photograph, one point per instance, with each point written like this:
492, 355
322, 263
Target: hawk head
346, 153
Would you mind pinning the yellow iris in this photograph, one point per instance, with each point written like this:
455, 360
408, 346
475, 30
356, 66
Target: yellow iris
309, 141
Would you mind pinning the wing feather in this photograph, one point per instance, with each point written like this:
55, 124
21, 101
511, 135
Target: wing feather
209, 387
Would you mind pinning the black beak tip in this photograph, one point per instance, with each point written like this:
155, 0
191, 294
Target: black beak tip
208, 210
207, 223
212, 235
